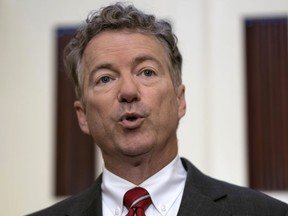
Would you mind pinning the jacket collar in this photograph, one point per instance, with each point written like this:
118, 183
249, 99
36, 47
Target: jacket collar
201, 194
90, 203
200, 198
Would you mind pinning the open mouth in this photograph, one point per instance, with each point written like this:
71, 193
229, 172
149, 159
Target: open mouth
131, 118
131, 121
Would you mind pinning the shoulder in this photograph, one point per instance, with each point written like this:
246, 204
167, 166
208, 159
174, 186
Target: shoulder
236, 199
75, 205
245, 200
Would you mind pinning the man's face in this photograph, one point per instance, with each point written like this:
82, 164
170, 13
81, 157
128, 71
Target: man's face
131, 106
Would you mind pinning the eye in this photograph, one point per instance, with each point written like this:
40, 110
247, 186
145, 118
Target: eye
148, 72
104, 79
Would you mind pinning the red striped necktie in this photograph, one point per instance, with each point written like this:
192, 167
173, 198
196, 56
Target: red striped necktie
137, 201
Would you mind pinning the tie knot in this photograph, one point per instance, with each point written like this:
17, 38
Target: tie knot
137, 198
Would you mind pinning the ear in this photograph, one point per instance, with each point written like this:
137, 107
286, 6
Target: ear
181, 101
82, 118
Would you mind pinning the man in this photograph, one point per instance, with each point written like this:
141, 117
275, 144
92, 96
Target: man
126, 68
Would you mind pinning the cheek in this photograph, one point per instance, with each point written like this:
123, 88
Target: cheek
166, 106
98, 104
95, 115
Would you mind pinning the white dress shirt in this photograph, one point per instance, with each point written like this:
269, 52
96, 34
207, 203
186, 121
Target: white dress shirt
165, 188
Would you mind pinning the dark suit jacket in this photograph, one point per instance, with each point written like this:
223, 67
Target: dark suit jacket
203, 196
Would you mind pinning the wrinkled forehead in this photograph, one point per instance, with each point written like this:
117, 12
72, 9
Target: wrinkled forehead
127, 42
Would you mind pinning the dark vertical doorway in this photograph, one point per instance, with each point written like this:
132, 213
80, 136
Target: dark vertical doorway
75, 152
267, 102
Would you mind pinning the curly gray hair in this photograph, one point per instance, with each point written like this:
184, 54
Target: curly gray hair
119, 17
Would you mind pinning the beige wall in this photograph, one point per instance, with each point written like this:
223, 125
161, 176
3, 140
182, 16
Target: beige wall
212, 134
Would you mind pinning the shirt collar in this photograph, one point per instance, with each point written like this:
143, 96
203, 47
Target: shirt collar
174, 175
113, 189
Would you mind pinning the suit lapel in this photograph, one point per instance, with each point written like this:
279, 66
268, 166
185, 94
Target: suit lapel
95, 208
199, 197
91, 205
195, 204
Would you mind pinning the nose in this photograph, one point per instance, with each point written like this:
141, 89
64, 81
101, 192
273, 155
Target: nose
128, 90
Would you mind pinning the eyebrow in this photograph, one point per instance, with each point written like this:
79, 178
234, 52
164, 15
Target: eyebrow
138, 60
108, 66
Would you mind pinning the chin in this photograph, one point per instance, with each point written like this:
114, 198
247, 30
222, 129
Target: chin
136, 149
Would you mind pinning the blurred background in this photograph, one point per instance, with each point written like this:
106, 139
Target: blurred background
213, 134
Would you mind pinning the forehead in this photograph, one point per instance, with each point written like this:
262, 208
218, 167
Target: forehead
123, 45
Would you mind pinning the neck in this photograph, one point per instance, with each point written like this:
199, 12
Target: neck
139, 168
